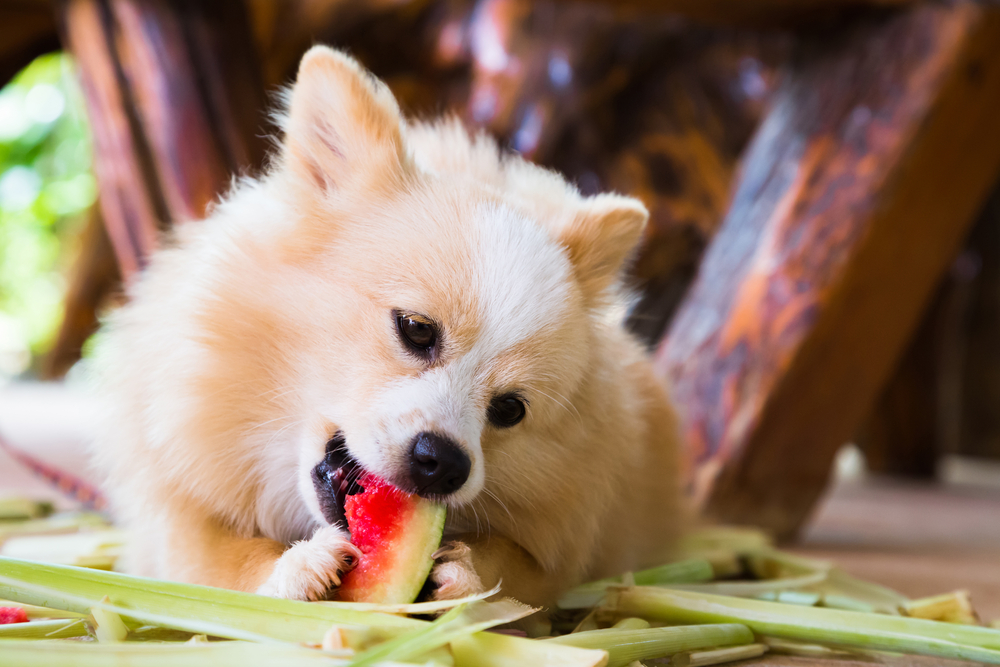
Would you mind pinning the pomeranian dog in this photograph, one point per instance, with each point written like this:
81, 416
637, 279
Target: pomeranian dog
402, 299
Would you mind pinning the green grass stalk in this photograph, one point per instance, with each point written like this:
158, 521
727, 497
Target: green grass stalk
812, 624
15, 653
682, 572
61, 628
625, 646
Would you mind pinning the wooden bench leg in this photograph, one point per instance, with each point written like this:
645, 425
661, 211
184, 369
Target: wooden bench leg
855, 195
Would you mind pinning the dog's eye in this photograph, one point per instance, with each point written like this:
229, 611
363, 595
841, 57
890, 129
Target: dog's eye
417, 332
506, 411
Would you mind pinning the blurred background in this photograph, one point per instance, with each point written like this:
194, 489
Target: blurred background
820, 282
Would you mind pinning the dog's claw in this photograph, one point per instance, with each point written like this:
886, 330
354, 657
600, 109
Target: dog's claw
454, 576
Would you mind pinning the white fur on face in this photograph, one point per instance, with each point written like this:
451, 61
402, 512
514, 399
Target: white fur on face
516, 285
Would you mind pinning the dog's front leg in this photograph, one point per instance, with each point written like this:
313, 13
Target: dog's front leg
199, 549
472, 564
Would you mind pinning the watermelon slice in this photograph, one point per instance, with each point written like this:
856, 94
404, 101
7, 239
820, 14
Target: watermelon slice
13, 615
397, 534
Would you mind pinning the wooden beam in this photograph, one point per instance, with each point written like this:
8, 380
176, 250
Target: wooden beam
198, 94
855, 195
753, 13
129, 195
682, 132
176, 102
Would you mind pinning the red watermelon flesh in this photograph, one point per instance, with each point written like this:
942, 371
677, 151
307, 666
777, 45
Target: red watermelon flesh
13, 615
397, 534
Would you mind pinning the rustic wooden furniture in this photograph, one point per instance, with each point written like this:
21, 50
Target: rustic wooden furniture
813, 169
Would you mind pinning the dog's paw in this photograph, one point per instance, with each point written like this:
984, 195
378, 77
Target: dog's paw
453, 575
310, 569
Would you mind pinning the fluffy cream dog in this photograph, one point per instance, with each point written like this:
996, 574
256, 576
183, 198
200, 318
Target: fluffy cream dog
396, 297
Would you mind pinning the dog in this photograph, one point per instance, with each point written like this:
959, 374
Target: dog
402, 298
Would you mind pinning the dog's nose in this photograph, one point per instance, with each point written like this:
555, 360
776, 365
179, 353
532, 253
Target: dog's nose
438, 466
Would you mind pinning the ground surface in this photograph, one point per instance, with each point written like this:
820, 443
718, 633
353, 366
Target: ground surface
921, 539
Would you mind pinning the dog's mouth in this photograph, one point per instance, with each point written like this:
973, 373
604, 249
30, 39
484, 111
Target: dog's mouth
335, 478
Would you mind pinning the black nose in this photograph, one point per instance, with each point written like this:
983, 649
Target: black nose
438, 466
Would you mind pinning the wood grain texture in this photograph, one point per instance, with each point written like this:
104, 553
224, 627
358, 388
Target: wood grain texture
855, 195
176, 101
754, 13
178, 63
155, 60
127, 194
682, 131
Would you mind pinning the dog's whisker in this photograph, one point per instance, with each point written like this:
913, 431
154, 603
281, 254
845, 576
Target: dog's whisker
274, 398
281, 430
489, 524
567, 406
514, 492
269, 421
503, 505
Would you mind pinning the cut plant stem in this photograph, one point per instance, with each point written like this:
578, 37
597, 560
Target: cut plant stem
189, 607
812, 624
624, 646
40, 612
804, 598
108, 625
754, 588
954, 607
413, 607
60, 628
232, 614
461, 621
20, 509
718, 656
801, 649
841, 590
92, 548
844, 602
489, 649
681, 572
729, 538
59, 523
631, 623
213, 654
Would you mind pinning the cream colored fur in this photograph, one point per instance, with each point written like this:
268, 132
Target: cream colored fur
256, 334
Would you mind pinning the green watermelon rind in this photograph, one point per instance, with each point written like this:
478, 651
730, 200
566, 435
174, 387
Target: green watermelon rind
428, 524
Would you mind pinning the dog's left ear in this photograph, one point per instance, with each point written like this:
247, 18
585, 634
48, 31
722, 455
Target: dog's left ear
601, 237
342, 122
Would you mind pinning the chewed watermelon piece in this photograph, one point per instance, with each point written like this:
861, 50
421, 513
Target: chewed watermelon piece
397, 534
12, 615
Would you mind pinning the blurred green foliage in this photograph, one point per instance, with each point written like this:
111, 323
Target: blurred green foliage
46, 187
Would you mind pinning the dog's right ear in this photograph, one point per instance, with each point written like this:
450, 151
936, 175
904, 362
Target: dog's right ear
342, 122
601, 237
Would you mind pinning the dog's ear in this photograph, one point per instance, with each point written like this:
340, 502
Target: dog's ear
601, 237
342, 121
